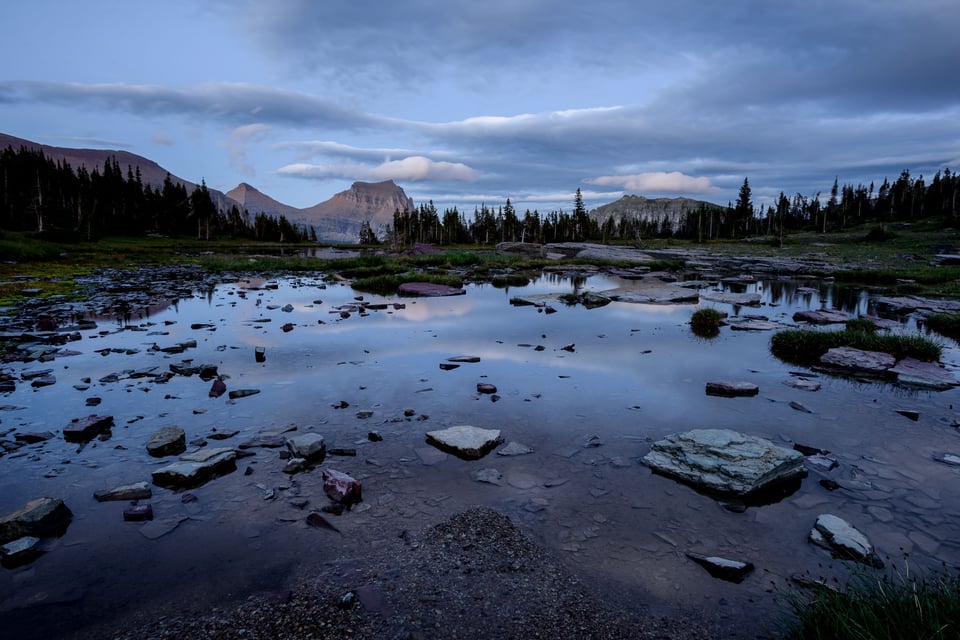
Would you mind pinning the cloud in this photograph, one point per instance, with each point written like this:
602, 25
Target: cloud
657, 182
97, 142
413, 169
238, 141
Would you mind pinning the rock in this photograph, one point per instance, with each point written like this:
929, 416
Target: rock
429, 290
295, 465
729, 570
242, 393
363, 414
464, 359
803, 384
728, 297
39, 518
470, 443
375, 436
33, 437
136, 491
947, 458
260, 354
843, 540
309, 446
752, 324
821, 316
821, 463
909, 413
217, 389
798, 406
138, 513
653, 293
168, 441
195, 469
724, 461
514, 449
449, 366
341, 488
927, 375
732, 389
858, 361
489, 475
83, 429
486, 387
20, 552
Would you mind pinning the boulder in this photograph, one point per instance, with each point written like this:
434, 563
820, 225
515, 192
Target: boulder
469, 443
169, 441
724, 461
732, 389
83, 429
429, 290
195, 469
341, 488
843, 540
858, 361
39, 518
309, 446
821, 316
136, 491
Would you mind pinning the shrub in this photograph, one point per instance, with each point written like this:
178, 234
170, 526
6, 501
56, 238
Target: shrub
706, 322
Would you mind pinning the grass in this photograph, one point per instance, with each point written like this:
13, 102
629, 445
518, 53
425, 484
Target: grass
891, 606
947, 324
706, 322
804, 346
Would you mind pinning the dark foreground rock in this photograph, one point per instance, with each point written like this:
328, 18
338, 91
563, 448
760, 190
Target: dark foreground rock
83, 429
39, 518
168, 441
732, 389
475, 575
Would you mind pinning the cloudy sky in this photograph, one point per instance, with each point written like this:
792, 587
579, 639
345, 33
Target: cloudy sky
470, 102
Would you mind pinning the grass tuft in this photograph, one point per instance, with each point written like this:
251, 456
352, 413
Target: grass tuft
947, 324
706, 322
806, 346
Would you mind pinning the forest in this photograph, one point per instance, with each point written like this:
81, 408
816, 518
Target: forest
59, 202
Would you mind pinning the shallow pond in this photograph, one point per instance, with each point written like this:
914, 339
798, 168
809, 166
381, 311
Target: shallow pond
633, 374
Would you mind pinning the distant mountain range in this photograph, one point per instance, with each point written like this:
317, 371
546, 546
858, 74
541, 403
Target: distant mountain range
339, 218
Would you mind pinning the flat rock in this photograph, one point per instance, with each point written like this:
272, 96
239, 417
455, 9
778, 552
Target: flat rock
39, 518
82, 429
429, 290
842, 539
724, 461
20, 551
653, 293
729, 570
927, 375
168, 441
857, 360
464, 441
514, 449
195, 469
821, 316
728, 297
488, 475
952, 459
732, 389
242, 393
752, 324
309, 446
135, 491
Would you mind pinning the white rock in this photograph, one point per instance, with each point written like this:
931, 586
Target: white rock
310, 446
840, 537
465, 441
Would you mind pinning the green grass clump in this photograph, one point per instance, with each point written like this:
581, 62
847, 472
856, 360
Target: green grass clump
706, 322
947, 324
805, 346
892, 606
861, 324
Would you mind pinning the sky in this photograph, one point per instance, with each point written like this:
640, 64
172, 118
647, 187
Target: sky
470, 103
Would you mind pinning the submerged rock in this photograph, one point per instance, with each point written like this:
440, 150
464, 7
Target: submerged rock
464, 441
724, 461
732, 389
927, 375
842, 539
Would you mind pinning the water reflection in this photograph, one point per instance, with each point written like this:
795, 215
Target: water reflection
635, 373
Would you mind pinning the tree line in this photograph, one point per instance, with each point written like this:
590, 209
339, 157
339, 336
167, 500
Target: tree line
60, 202
904, 200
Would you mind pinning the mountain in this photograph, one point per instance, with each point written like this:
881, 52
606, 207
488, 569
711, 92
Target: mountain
647, 209
340, 217
249, 198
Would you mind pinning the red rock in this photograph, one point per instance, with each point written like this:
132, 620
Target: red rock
340, 487
218, 388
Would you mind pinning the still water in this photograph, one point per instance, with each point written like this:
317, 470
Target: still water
633, 374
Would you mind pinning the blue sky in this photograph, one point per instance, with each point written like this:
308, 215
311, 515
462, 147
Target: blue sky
468, 103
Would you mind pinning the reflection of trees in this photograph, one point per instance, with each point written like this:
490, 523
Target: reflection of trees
809, 294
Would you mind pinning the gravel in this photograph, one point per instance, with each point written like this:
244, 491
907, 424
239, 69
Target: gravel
475, 575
